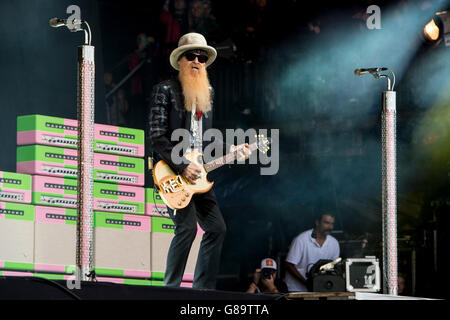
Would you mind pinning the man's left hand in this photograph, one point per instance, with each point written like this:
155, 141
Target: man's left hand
243, 151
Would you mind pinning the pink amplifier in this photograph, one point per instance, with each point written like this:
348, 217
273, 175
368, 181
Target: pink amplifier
15, 187
62, 192
60, 132
63, 162
154, 205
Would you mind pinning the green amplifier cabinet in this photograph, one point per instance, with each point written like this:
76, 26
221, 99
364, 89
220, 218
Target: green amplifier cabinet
63, 162
15, 187
60, 132
62, 192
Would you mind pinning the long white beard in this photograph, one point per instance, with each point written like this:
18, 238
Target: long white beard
196, 89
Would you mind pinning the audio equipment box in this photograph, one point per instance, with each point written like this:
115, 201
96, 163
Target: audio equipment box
62, 192
15, 187
63, 162
60, 132
122, 245
16, 236
154, 205
55, 239
362, 274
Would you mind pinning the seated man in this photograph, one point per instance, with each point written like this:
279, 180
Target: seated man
306, 249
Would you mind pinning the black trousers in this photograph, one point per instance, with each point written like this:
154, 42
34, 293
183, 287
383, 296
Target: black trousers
204, 209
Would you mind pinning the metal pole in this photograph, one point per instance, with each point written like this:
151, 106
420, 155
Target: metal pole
413, 272
389, 192
85, 220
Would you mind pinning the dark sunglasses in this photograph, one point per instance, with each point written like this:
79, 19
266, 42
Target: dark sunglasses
191, 57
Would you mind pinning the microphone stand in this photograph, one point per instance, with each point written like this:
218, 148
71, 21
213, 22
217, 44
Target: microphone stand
85, 115
389, 185
389, 188
85, 151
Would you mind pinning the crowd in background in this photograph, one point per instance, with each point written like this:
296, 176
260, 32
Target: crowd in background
244, 34
242, 39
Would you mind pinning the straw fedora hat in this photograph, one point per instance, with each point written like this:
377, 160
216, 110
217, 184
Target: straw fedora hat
192, 41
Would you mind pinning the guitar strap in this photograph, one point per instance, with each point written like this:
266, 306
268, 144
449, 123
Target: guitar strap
196, 132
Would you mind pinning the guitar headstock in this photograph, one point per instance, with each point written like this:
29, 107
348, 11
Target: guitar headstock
262, 143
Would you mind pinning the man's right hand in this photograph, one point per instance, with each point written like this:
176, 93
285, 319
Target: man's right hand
293, 270
192, 172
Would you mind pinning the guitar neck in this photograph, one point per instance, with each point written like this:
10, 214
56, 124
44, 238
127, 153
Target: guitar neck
228, 158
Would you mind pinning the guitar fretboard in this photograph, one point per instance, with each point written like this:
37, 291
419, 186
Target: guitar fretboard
228, 158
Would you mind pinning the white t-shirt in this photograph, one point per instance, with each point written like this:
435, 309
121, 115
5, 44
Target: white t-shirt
304, 252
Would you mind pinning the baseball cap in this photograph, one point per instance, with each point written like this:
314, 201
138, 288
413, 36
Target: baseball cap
268, 263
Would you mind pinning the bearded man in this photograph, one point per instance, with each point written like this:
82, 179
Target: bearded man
185, 102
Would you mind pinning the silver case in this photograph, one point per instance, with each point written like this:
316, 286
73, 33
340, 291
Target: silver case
374, 261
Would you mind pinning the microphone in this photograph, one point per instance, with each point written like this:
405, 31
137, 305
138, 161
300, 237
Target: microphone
360, 72
56, 22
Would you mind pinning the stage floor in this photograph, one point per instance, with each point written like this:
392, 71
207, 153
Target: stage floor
32, 288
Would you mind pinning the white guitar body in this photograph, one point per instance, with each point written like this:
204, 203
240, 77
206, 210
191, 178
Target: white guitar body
175, 190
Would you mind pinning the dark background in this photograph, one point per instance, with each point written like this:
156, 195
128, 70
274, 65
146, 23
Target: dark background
284, 76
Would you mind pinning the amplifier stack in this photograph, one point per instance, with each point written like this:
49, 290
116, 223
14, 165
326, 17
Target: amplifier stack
38, 204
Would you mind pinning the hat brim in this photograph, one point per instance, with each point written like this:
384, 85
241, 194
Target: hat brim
176, 54
269, 267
